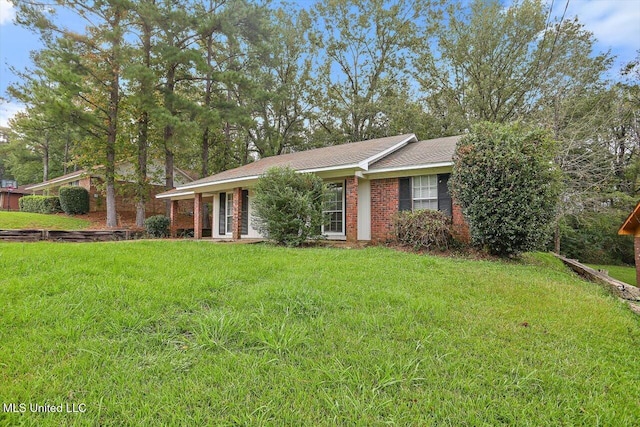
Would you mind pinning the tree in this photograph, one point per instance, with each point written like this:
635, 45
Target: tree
488, 62
505, 180
87, 71
365, 46
288, 206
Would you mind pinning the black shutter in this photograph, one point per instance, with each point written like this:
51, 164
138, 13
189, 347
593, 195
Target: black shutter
245, 213
444, 198
222, 212
404, 200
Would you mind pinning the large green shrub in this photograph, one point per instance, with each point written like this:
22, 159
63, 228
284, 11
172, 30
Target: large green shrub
423, 229
74, 200
506, 182
157, 226
288, 206
40, 204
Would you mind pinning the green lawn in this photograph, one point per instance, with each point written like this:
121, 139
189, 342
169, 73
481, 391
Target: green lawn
26, 220
197, 333
625, 274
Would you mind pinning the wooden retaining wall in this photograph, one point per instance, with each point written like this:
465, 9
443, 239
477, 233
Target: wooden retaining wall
68, 236
625, 291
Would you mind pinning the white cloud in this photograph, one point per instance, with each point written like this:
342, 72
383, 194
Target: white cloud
615, 23
7, 12
8, 110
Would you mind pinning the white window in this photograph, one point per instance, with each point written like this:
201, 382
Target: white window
229, 212
425, 192
334, 209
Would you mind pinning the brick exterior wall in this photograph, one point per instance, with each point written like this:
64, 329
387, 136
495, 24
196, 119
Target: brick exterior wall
636, 245
385, 195
460, 227
197, 216
384, 206
125, 200
236, 225
351, 214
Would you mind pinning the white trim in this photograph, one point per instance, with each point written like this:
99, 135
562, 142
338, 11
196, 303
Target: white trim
166, 196
408, 168
366, 162
70, 178
224, 181
248, 178
329, 168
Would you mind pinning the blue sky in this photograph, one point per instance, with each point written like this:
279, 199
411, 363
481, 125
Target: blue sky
615, 24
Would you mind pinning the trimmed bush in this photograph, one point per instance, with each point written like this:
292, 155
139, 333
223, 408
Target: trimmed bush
423, 229
74, 200
508, 186
288, 206
40, 204
157, 226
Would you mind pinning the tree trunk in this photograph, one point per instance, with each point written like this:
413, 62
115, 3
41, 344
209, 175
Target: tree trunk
168, 174
556, 238
45, 160
112, 128
141, 170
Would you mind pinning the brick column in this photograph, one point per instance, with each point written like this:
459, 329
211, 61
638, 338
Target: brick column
351, 214
237, 214
173, 215
197, 216
636, 244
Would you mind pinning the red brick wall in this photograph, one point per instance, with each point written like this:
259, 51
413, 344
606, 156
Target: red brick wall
460, 228
351, 214
236, 225
125, 200
384, 206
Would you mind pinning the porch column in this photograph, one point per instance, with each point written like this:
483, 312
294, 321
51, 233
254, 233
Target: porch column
197, 216
351, 214
173, 215
636, 246
237, 213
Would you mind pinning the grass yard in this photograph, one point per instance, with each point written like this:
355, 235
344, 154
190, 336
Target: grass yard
196, 333
26, 220
625, 274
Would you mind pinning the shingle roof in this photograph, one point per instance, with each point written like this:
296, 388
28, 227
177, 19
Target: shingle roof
438, 150
336, 156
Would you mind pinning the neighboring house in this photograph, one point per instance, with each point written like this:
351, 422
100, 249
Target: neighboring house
10, 196
631, 227
370, 182
93, 181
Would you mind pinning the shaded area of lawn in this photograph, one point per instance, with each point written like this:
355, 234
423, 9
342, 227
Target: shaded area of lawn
624, 274
27, 220
171, 333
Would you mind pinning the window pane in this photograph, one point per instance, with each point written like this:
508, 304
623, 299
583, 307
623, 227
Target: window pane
425, 192
333, 208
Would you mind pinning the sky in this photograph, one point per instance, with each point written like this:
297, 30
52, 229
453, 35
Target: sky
614, 23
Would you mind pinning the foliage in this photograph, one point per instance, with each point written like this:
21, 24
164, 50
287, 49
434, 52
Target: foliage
288, 206
74, 200
592, 237
40, 204
174, 331
27, 220
507, 185
157, 226
423, 229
